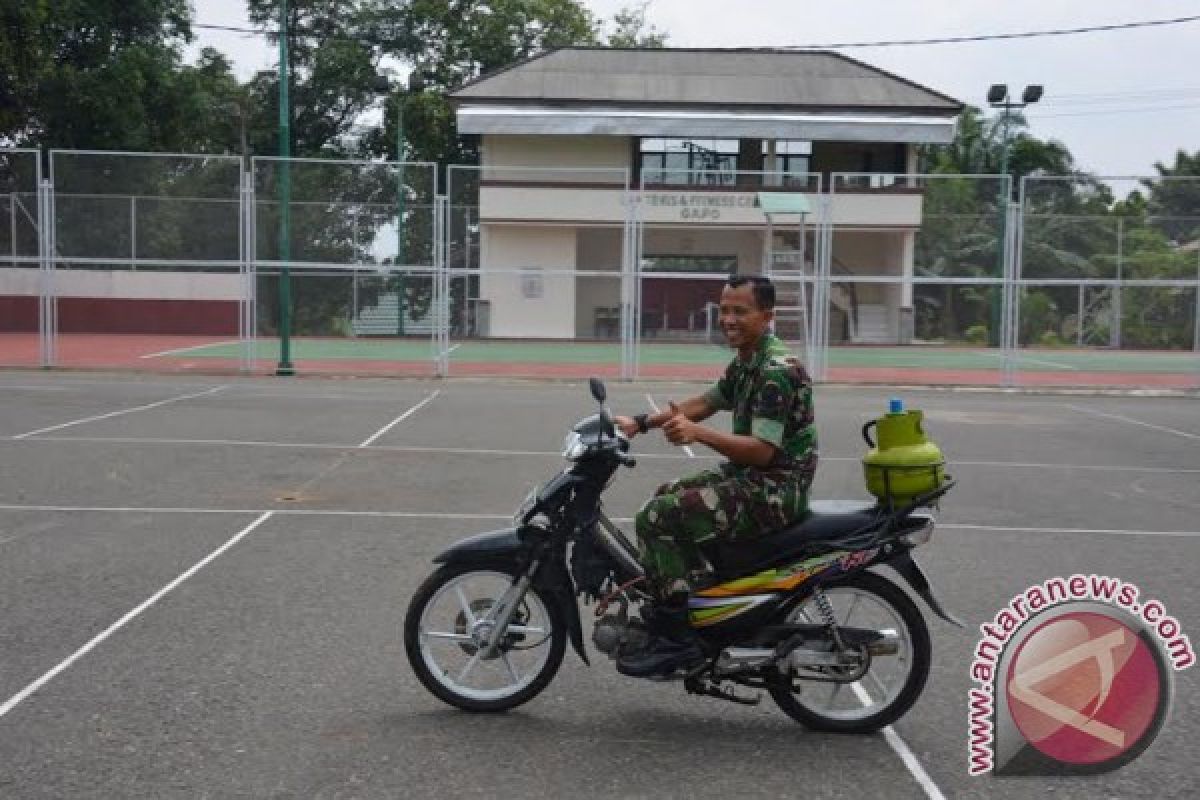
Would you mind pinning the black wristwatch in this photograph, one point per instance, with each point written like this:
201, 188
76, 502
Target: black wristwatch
643, 422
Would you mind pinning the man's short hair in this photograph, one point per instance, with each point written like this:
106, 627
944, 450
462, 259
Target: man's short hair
764, 290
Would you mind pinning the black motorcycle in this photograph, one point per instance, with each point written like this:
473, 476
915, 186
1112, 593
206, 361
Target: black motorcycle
797, 613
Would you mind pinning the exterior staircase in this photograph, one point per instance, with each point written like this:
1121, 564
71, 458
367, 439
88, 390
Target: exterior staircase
381, 319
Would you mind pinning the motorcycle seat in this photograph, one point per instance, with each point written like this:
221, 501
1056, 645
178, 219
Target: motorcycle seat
822, 525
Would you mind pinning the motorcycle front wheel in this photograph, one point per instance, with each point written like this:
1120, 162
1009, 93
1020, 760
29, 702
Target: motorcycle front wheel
449, 621
893, 681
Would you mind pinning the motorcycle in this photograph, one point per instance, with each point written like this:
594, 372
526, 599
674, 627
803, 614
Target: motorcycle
797, 613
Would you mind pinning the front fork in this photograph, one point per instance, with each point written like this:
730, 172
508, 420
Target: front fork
614, 542
502, 612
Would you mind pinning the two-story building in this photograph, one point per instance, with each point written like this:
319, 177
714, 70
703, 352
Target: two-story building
699, 135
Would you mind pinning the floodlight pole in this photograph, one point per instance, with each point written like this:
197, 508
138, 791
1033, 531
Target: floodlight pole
284, 366
1006, 106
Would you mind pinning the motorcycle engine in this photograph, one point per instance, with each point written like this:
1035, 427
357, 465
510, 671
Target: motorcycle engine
614, 634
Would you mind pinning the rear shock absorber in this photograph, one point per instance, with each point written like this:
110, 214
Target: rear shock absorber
826, 609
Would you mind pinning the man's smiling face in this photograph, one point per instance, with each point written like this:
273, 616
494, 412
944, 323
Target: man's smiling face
743, 322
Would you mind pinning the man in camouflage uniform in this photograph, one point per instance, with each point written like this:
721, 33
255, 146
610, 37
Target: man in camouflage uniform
772, 457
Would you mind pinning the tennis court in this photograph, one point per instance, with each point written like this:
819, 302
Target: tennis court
929, 365
203, 579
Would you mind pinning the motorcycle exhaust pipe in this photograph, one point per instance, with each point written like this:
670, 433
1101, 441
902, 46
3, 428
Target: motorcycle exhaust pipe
739, 659
889, 645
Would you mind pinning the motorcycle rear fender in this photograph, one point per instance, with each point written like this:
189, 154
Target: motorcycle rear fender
908, 569
507, 546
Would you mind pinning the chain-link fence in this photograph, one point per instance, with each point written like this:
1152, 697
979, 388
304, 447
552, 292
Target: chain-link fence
176, 262
1109, 281
353, 245
23, 276
148, 258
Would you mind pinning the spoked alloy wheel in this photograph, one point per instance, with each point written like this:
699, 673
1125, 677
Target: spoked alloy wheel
892, 682
448, 625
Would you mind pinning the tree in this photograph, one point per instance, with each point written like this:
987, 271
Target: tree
1175, 201
105, 74
630, 29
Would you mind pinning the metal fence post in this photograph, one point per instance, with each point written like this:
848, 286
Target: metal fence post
441, 287
1009, 339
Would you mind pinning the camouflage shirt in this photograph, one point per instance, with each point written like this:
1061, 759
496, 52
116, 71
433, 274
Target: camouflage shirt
771, 399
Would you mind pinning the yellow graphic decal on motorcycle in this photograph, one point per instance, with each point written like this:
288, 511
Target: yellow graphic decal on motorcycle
781, 579
787, 578
703, 611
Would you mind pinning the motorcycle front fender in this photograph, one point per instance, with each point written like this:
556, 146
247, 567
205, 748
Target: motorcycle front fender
504, 544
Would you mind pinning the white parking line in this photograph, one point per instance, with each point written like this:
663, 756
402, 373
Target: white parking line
399, 419
189, 349
686, 448
122, 411
1132, 421
20, 696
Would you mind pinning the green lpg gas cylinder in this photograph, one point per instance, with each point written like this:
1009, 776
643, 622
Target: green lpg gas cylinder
905, 463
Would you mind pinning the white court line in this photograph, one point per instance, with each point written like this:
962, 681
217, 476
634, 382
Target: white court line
1133, 421
472, 451
1090, 531
300, 512
452, 349
20, 696
383, 448
189, 349
687, 449
1032, 360
341, 512
122, 411
400, 419
21, 388
901, 749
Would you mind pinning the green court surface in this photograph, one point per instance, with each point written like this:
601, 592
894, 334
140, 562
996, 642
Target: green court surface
654, 353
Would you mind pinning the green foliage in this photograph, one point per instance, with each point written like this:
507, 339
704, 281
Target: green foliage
977, 334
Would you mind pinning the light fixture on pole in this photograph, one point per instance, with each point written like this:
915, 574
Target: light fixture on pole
997, 97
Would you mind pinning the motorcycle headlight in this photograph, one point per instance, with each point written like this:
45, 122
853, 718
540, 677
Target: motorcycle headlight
573, 447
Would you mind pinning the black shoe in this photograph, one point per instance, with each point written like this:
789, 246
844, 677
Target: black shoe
661, 656
673, 644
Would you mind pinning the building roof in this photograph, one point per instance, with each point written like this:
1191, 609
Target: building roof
744, 79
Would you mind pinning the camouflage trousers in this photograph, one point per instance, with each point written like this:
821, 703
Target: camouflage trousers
726, 504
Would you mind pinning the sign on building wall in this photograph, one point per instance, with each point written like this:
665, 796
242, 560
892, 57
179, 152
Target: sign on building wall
699, 206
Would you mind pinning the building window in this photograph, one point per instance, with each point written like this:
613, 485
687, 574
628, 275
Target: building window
688, 162
792, 158
720, 265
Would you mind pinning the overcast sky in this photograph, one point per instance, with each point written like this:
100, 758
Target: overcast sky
1119, 100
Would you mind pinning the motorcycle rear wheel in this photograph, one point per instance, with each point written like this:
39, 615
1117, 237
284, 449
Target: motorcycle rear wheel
448, 619
880, 697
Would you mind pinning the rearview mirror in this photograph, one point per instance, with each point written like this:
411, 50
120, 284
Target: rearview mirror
598, 391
